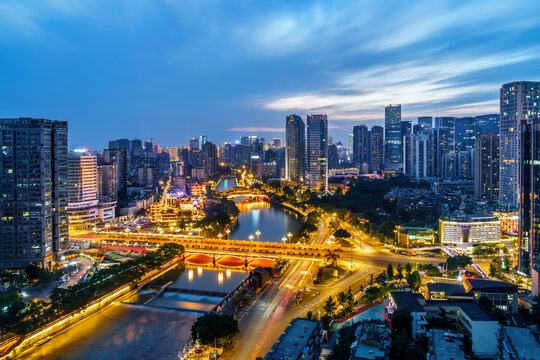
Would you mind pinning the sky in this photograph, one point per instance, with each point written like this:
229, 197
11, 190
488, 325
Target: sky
169, 70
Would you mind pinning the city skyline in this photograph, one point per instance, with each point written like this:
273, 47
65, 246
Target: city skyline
163, 62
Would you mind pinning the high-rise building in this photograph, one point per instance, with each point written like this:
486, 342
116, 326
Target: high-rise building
416, 156
317, 148
376, 148
209, 158
202, 140
119, 157
424, 123
487, 124
351, 147
529, 204
295, 148
518, 101
82, 188
333, 159
194, 143
33, 191
486, 167
360, 146
392, 137
406, 128
442, 146
107, 183
119, 144
277, 143
464, 133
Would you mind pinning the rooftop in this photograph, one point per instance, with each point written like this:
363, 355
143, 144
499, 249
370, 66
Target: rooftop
371, 341
445, 346
470, 308
406, 300
522, 342
448, 289
489, 286
293, 341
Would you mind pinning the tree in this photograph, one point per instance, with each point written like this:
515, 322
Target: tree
401, 321
325, 321
309, 315
381, 278
390, 272
213, 327
414, 280
458, 262
408, 268
342, 234
330, 306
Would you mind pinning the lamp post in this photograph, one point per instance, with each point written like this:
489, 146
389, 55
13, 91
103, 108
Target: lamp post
284, 239
220, 235
289, 235
258, 233
228, 232
251, 237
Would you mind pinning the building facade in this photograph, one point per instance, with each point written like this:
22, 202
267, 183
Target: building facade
33, 191
317, 148
486, 167
295, 148
469, 231
376, 148
529, 204
392, 136
360, 146
518, 101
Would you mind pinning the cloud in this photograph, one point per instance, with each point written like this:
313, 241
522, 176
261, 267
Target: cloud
256, 129
420, 84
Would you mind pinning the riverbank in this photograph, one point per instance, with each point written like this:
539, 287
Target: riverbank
46, 333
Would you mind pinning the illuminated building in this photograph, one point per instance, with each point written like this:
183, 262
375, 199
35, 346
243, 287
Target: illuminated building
486, 167
360, 146
33, 191
317, 152
529, 205
392, 137
295, 148
210, 158
509, 221
414, 236
376, 148
194, 144
518, 101
470, 230
83, 188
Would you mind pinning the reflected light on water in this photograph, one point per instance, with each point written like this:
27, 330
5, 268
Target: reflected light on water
190, 275
228, 272
199, 271
220, 278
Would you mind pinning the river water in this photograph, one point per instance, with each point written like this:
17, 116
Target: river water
160, 329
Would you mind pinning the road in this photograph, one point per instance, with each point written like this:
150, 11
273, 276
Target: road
264, 320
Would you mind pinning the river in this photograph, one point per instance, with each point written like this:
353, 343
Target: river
159, 330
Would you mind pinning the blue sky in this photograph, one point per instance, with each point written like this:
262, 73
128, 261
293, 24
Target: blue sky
170, 70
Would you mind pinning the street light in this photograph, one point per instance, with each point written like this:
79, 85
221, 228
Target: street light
220, 235
284, 239
228, 232
258, 233
251, 237
289, 235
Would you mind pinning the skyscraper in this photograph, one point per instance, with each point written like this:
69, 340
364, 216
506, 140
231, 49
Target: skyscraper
119, 157
415, 156
333, 159
487, 124
317, 148
82, 188
194, 143
464, 133
486, 167
209, 158
360, 146
518, 101
406, 128
33, 191
529, 204
295, 148
392, 137
376, 148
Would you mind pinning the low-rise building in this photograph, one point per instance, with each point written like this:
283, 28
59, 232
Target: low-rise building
480, 324
444, 291
300, 340
410, 302
372, 342
501, 294
465, 232
445, 345
414, 236
518, 343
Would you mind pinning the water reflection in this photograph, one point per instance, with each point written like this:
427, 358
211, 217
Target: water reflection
199, 271
190, 275
220, 278
228, 272
273, 223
